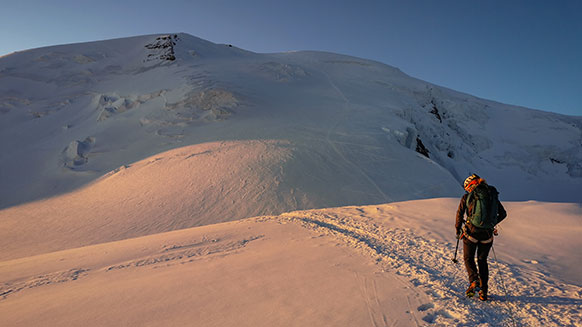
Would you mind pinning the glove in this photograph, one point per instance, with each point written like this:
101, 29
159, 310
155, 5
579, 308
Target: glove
459, 234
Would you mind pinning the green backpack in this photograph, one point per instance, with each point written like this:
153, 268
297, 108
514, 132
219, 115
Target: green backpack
482, 206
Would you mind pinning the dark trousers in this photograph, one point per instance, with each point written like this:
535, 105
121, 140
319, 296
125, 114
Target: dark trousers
482, 249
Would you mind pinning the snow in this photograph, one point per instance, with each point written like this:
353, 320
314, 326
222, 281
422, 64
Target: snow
129, 169
347, 110
193, 186
373, 265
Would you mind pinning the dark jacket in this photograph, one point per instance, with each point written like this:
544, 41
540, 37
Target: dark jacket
476, 232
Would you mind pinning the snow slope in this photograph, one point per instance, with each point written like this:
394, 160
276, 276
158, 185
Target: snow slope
118, 159
380, 265
192, 186
70, 114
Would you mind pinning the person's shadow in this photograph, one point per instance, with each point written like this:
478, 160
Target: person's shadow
557, 300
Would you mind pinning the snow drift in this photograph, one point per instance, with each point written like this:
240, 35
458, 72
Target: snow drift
186, 187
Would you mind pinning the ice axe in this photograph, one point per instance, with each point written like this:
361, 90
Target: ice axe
456, 248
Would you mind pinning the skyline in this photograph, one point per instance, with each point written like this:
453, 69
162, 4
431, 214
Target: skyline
524, 53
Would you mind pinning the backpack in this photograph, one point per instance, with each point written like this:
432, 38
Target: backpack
482, 205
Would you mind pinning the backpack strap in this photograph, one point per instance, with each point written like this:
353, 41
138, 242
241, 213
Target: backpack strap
471, 238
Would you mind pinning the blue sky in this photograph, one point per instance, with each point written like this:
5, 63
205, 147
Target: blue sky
527, 53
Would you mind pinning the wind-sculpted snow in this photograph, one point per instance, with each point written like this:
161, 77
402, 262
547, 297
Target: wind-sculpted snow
207, 105
192, 186
144, 95
281, 72
380, 265
109, 105
77, 153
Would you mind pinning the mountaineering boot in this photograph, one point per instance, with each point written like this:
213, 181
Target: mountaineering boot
470, 292
482, 295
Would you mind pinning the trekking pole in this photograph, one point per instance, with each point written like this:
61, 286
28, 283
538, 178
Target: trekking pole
456, 248
503, 286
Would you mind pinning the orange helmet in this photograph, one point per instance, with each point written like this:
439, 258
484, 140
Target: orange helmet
471, 180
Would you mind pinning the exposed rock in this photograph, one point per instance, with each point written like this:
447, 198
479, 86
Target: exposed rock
162, 48
420, 148
435, 111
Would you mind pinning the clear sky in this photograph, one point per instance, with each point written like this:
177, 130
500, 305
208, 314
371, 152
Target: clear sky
523, 52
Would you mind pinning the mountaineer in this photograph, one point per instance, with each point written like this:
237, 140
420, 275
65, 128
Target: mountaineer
484, 211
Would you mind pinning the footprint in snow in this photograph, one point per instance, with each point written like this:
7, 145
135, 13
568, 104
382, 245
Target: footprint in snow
426, 306
432, 317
